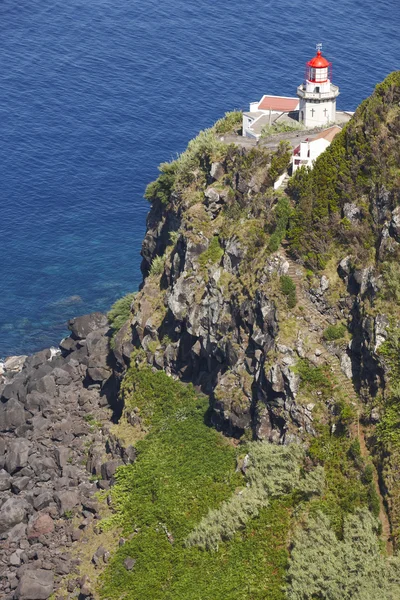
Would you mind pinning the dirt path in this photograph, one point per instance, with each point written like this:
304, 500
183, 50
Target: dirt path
296, 272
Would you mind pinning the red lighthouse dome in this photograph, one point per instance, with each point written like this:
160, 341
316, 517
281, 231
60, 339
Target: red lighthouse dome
318, 68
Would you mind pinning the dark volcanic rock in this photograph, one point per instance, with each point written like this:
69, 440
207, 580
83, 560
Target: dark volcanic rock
80, 327
35, 584
12, 415
13, 511
17, 455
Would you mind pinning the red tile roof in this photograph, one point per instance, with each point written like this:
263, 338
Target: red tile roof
279, 103
328, 134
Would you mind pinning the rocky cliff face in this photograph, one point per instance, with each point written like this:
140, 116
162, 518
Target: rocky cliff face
211, 309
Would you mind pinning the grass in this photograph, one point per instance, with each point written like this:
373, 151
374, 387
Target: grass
184, 468
213, 254
119, 312
345, 488
334, 332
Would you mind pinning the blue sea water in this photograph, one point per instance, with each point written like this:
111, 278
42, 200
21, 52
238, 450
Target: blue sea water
94, 94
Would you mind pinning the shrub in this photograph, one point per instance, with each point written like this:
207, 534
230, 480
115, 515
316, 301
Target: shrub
391, 282
322, 566
119, 312
231, 122
280, 160
282, 213
334, 332
314, 378
288, 288
157, 266
213, 254
162, 187
346, 412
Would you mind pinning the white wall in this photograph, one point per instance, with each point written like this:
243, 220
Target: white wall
316, 114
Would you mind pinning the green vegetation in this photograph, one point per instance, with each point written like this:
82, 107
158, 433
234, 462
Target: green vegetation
119, 313
183, 470
314, 378
390, 290
157, 266
361, 160
388, 429
334, 332
288, 288
281, 213
268, 130
162, 187
346, 490
213, 254
352, 568
280, 160
231, 123
271, 471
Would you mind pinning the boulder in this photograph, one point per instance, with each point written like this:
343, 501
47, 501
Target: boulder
68, 345
108, 468
17, 455
14, 364
40, 524
12, 512
5, 481
129, 563
80, 327
217, 170
61, 376
20, 483
67, 500
12, 415
35, 584
346, 366
344, 267
39, 358
15, 389
380, 330
43, 500
351, 212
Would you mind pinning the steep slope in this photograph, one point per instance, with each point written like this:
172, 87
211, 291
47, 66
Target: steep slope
347, 217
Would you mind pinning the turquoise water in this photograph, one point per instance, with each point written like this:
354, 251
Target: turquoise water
95, 94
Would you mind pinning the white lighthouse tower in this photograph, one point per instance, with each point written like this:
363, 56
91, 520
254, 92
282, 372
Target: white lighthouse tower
317, 95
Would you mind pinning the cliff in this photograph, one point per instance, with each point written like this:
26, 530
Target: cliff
252, 381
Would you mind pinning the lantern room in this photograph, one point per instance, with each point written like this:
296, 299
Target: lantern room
319, 70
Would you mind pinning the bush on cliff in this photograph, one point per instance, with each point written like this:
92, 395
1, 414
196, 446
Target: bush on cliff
352, 568
230, 123
288, 288
119, 312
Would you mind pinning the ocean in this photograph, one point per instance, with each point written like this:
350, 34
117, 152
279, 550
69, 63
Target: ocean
94, 94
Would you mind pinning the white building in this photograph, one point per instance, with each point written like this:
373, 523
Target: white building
269, 110
317, 95
309, 150
314, 106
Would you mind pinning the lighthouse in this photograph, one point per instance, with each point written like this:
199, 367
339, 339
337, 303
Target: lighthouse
317, 95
